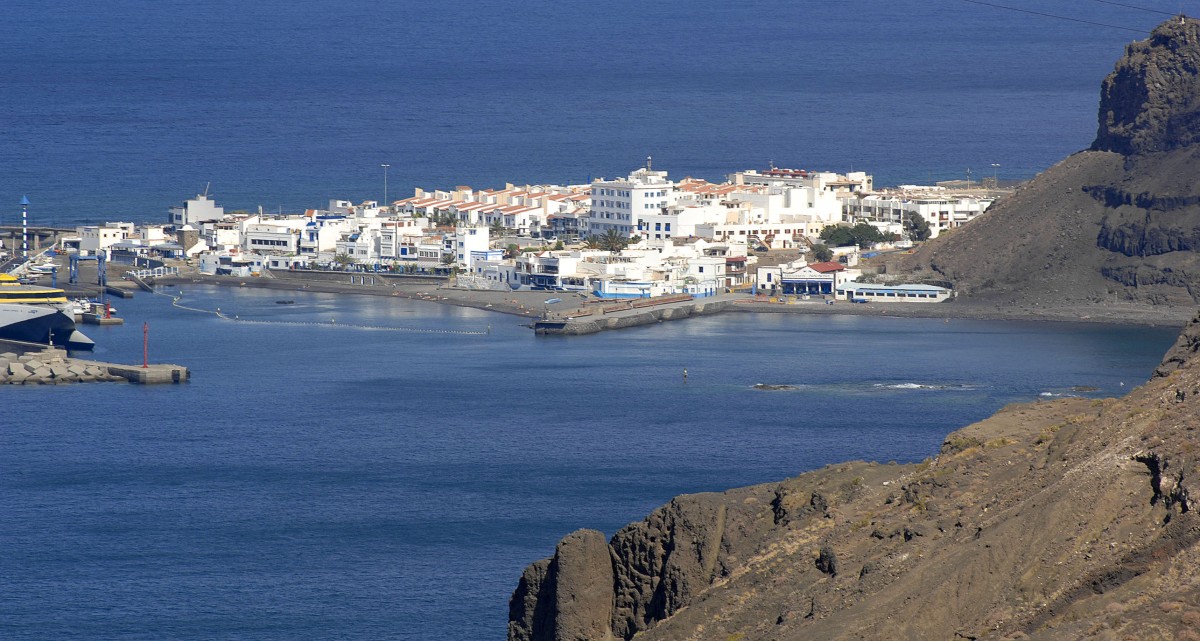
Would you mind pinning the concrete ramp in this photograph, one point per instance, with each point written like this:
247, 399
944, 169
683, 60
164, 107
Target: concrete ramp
139, 282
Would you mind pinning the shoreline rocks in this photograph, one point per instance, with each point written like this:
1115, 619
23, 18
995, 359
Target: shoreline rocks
50, 368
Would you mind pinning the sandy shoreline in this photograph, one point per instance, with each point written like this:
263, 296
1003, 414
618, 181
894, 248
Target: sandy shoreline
531, 304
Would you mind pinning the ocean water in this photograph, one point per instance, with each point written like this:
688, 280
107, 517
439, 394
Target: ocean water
121, 109
318, 479
378, 468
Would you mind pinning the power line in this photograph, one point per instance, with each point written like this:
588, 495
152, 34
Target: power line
1130, 6
1051, 15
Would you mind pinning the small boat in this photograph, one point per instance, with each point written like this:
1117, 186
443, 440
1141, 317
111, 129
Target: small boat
285, 302
551, 301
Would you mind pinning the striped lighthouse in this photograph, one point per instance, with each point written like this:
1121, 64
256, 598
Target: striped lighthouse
24, 227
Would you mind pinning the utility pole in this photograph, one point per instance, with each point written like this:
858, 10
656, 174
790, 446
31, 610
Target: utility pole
385, 173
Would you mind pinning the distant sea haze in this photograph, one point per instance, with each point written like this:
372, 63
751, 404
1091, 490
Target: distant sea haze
112, 111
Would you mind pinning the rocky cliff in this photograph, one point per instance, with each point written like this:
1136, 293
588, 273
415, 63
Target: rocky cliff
1116, 223
1066, 519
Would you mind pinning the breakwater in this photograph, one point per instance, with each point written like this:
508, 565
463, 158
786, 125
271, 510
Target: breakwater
631, 317
33, 364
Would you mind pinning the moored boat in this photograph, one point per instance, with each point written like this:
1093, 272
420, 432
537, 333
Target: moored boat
12, 290
41, 324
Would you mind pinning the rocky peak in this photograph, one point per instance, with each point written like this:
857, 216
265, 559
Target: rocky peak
1151, 100
1185, 349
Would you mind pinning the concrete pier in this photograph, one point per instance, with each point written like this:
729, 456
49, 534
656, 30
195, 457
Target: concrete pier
35, 364
152, 374
99, 319
638, 312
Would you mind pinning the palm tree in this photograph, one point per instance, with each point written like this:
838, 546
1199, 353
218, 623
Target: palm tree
612, 240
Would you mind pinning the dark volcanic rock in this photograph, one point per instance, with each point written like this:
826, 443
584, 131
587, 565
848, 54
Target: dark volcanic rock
1117, 224
1151, 100
1068, 519
583, 590
568, 597
1185, 348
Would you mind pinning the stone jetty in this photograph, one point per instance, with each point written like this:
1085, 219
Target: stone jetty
633, 313
26, 364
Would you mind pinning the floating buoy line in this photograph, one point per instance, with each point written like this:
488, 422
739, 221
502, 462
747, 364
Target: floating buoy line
332, 322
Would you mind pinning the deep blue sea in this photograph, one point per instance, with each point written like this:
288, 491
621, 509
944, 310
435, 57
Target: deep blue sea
317, 480
321, 481
120, 109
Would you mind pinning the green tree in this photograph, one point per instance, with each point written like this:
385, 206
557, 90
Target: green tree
512, 251
613, 241
918, 227
344, 259
862, 234
821, 253
558, 244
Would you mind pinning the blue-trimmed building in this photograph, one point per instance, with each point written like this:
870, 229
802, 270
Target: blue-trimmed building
871, 292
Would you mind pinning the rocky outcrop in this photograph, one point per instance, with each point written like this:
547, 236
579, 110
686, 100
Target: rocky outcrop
568, 597
1118, 223
1185, 349
1151, 101
1067, 519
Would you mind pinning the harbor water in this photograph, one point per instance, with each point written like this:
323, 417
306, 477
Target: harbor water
364, 467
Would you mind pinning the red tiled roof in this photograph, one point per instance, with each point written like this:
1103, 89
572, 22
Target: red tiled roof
827, 267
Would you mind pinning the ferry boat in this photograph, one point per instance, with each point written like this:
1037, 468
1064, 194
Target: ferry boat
37, 314
41, 324
12, 290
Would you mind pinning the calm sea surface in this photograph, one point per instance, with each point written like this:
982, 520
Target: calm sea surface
317, 480
320, 481
120, 109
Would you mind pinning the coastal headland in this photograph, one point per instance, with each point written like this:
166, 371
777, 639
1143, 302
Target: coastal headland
1066, 519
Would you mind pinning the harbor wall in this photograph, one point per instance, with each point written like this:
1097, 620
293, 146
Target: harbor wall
648, 316
34, 364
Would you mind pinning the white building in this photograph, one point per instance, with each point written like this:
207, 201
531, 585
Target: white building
621, 204
870, 292
941, 210
800, 279
196, 211
277, 236
470, 242
94, 239
322, 232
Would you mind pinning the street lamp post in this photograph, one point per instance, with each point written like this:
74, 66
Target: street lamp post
385, 173
995, 175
